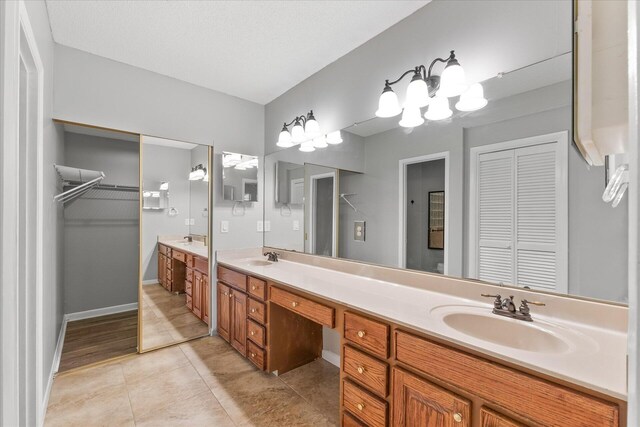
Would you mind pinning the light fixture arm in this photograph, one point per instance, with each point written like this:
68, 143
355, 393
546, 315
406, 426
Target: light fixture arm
414, 70
452, 56
433, 81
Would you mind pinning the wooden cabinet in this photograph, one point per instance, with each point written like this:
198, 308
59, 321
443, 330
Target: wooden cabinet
489, 418
365, 406
224, 311
417, 402
197, 294
368, 334
238, 336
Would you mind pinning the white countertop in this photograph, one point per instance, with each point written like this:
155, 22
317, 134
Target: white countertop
194, 248
597, 363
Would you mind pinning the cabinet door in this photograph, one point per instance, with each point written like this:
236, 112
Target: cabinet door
489, 418
206, 299
417, 402
196, 294
224, 311
239, 321
162, 268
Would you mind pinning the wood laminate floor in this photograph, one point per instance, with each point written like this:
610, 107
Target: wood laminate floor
201, 382
98, 339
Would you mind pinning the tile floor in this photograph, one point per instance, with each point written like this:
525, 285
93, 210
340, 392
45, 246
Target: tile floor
202, 382
166, 319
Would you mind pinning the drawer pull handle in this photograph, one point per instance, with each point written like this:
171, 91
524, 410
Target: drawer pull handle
360, 406
253, 310
361, 369
252, 333
361, 334
253, 287
294, 304
457, 417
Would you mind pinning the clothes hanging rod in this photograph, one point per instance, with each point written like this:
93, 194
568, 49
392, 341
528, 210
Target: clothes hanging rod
108, 187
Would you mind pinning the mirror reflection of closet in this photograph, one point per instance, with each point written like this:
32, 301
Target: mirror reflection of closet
174, 290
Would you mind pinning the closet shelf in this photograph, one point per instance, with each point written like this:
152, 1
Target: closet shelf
81, 181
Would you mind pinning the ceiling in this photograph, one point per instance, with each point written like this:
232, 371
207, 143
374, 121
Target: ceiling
255, 50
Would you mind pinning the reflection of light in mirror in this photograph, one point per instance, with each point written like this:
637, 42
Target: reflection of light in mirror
307, 147
334, 138
164, 186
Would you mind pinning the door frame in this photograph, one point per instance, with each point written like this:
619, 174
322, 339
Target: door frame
402, 204
312, 214
562, 198
18, 44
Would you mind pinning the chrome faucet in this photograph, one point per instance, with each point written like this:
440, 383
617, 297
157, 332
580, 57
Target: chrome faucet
272, 256
506, 307
189, 238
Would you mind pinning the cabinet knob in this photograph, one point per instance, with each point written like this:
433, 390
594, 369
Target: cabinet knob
294, 304
253, 310
360, 406
226, 294
253, 355
252, 333
457, 417
230, 295
361, 334
253, 287
361, 369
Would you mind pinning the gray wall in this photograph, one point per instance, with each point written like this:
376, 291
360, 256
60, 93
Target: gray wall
421, 179
347, 90
159, 164
53, 267
101, 235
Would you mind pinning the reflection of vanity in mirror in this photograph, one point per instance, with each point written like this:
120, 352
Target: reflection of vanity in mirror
175, 291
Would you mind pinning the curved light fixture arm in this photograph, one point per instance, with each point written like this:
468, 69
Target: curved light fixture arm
452, 55
414, 70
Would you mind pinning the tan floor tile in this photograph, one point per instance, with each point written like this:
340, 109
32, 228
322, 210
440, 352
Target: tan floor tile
160, 392
108, 408
202, 409
84, 384
153, 363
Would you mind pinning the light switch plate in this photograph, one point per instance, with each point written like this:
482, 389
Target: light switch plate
224, 226
260, 226
267, 226
186, 221
359, 228
296, 225
192, 221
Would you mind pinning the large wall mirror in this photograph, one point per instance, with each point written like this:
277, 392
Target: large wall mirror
175, 247
500, 195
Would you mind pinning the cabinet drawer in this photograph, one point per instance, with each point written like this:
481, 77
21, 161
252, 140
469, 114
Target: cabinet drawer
256, 355
366, 370
364, 405
188, 288
233, 278
311, 310
189, 302
349, 421
190, 261
189, 275
202, 264
180, 256
255, 333
257, 311
368, 334
489, 418
537, 400
257, 288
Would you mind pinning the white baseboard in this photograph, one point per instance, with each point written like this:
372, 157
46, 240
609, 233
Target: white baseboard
331, 357
101, 311
150, 282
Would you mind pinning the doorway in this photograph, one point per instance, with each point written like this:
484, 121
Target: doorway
322, 233
424, 213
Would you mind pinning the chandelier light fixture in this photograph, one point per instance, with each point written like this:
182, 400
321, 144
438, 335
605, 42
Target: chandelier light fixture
427, 89
305, 131
197, 173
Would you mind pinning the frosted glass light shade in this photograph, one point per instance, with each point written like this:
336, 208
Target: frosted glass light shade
297, 133
164, 186
417, 92
473, 99
334, 138
311, 129
284, 140
197, 175
452, 81
411, 117
388, 105
307, 147
320, 142
438, 109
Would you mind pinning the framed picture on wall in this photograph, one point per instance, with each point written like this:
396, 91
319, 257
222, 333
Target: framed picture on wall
436, 220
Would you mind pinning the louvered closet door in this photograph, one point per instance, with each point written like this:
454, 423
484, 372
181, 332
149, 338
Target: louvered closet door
495, 190
536, 216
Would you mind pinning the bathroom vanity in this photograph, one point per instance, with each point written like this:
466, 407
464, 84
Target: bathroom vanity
184, 267
403, 362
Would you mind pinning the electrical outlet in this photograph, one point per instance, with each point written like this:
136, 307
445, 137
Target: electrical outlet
359, 228
260, 227
192, 221
296, 225
186, 221
267, 226
224, 226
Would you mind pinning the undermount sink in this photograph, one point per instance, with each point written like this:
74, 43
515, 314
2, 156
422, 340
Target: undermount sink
259, 263
537, 336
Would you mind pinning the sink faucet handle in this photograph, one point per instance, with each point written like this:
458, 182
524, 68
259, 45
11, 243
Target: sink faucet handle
491, 296
524, 306
498, 300
525, 302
